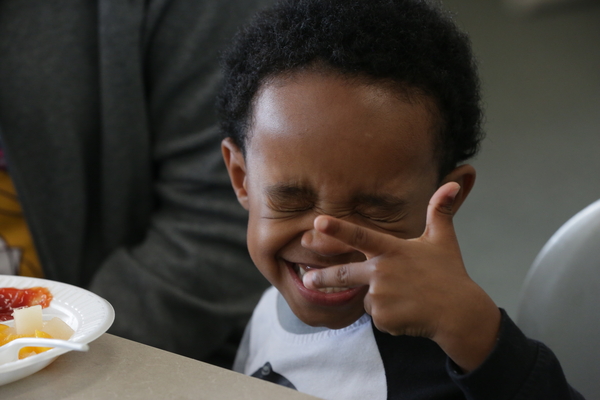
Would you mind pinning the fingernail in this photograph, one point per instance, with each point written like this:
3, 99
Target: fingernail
448, 202
321, 223
454, 192
307, 238
307, 280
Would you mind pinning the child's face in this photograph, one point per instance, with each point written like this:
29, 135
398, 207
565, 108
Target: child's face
324, 145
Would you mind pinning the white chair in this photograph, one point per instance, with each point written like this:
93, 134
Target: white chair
560, 300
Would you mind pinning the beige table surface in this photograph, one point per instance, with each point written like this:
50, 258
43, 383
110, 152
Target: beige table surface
116, 368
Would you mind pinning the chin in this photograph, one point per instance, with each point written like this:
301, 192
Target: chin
328, 320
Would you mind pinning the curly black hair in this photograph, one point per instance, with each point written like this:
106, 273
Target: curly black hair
412, 43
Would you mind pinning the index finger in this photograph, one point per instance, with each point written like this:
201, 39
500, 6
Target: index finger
339, 276
367, 241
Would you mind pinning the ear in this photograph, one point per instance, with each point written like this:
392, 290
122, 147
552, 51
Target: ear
236, 167
464, 175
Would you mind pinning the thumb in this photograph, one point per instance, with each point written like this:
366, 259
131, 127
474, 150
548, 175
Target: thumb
441, 211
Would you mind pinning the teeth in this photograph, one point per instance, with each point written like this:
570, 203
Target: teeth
332, 289
301, 271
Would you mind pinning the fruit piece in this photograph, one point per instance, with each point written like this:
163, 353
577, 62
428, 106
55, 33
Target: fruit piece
58, 329
24, 354
28, 320
29, 323
26, 351
6, 330
9, 338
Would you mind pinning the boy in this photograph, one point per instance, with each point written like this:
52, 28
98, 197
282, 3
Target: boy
347, 123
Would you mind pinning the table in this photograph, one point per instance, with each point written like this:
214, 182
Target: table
117, 368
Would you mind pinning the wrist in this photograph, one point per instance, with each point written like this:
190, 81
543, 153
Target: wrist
469, 340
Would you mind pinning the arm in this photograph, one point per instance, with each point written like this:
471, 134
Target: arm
517, 368
419, 287
190, 284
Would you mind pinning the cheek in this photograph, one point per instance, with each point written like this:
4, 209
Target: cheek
258, 240
415, 223
266, 238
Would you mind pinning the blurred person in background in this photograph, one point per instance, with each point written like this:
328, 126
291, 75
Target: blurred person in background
111, 176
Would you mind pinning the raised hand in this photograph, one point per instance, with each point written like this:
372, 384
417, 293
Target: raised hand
417, 287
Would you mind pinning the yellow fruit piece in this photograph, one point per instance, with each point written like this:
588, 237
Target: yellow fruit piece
58, 328
4, 332
30, 351
9, 338
7, 335
23, 354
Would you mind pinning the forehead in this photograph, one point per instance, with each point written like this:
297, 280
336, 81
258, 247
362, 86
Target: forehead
329, 124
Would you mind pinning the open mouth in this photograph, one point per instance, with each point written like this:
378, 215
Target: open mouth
302, 269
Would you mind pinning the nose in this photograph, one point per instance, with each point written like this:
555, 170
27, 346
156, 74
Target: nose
324, 245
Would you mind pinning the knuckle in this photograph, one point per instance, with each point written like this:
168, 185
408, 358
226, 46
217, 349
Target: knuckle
359, 235
446, 210
333, 227
377, 272
381, 321
342, 274
445, 207
376, 314
380, 275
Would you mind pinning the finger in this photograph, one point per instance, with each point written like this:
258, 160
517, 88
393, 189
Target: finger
325, 245
345, 275
441, 211
367, 241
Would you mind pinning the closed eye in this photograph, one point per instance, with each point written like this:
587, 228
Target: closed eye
289, 208
384, 209
289, 199
387, 218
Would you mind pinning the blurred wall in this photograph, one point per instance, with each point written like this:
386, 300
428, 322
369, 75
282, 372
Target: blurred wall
540, 161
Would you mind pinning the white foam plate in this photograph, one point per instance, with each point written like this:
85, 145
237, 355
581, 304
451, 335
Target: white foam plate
87, 313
